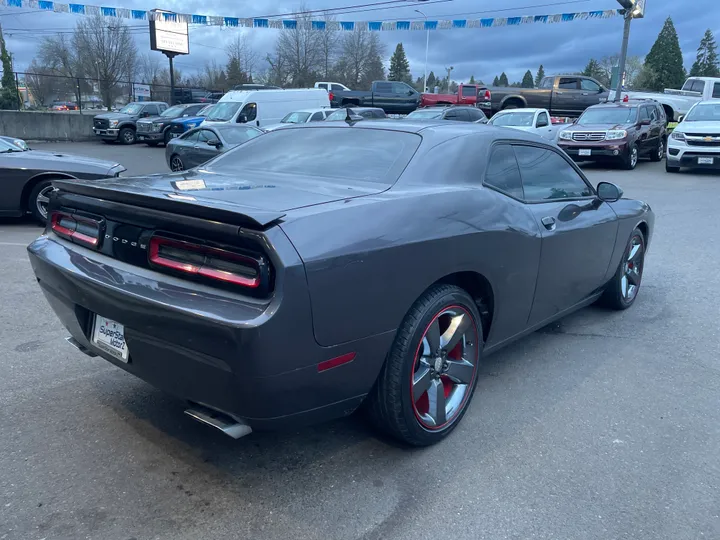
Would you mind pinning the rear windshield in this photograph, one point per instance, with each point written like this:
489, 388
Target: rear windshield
295, 118
425, 114
238, 134
621, 115
366, 155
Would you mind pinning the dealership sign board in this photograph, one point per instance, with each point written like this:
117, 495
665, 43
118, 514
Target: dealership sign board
167, 34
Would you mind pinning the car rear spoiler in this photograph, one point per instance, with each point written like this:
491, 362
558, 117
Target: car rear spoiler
178, 203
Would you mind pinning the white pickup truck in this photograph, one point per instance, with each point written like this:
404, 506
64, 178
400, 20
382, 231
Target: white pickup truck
536, 121
677, 103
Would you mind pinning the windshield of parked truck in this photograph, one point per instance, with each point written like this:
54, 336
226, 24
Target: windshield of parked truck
131, 108
514, 119
704, 112
608, 115
224, 111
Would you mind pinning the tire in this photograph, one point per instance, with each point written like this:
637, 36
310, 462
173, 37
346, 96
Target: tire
152, 144
166, 137
659, 153
127, 136
176, 163
394, 405
108, 141
618, 294
38, 199
669, 168
631, 159
510, 106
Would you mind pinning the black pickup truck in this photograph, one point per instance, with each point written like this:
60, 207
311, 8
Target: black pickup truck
392, 97
562, 95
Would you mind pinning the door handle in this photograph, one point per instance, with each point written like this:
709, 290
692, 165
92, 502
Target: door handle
559, 93
585, 94
549, 223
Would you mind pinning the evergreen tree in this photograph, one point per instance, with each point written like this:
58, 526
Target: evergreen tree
399, 66
706, 62
472, 79
593, 69
9, 92
527, 81
503, 80
235, 75
431, 81
540, 75
665, 60
496, 81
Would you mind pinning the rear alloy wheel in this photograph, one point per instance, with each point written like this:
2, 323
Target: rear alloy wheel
631, 160
625, 285
127, 136
659, 153
39, 199
431, 372
176, 164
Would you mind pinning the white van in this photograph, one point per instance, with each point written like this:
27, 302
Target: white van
264, 107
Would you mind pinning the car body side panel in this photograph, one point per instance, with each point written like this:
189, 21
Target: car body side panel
368, 260
631, 213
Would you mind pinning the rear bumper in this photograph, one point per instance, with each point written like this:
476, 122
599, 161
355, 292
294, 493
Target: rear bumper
256, 361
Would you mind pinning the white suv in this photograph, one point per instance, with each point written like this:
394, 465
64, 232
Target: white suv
695, 142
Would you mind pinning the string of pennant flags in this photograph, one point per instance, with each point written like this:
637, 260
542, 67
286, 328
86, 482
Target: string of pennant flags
212, 20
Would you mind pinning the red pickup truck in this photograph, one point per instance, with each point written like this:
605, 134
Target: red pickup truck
467, 94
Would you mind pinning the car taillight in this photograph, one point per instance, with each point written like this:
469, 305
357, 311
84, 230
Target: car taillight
331, 96
78, 229
206, 262
488, 95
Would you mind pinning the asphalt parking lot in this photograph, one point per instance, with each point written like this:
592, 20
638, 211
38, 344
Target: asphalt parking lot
603, 426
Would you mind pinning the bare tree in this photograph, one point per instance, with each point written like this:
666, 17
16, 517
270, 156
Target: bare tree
106, 51
241, 49
361, 59
59, 55
299, 52
42, 83
329, 45
633, 67
148, 67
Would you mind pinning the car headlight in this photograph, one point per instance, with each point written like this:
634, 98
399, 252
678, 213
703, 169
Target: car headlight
22, 144
615, 134
157, 127
566, 135
678, 135
113, 123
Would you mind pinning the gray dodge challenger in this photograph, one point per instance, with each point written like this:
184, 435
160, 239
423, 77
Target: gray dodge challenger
323, 267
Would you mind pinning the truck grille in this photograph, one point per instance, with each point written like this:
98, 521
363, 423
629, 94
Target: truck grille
591, 136
143, 127
101, 123
707, 140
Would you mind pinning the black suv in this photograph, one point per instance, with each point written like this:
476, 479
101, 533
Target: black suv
120, 126
620, 131
156, 129
451, 112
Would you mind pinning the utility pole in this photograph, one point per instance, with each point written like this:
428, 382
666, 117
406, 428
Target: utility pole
632, 9
427, 47
449, 70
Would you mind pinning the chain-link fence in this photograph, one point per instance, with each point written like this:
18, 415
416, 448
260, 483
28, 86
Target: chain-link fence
49, 92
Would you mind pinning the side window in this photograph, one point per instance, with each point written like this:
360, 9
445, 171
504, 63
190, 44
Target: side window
469, 91
250, 112
206, 135
653, 114
698, 86
151, 110
568, 84
193, 110
317, 117
400, 88
644, 114
336, 88
463, 115
543, 120
716, 90
379, 113
384, 87
590, 86
547, 82
661, 113
547, 176
503, 173
323, 86
190, 137
163, 107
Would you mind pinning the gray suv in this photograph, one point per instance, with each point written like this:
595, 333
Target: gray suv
120, 126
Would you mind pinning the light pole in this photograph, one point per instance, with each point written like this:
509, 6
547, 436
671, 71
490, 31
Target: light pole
427, 47
631, 9
449, 70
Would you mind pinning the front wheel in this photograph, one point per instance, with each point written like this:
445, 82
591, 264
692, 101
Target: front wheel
669, 168
622, 291
127, 136
631, 159
429, 377
659, 153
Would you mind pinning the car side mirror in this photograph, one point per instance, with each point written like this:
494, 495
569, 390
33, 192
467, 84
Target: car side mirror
242, 119
681, 118
644, 122
214, 142
542, 123
609, 192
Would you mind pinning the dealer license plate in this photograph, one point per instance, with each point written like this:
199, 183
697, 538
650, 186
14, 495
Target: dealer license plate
110, 337
141, 138
585, 152
706, 161
173, 135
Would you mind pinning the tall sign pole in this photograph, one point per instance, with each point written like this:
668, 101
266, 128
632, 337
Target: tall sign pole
632, 9
170, 37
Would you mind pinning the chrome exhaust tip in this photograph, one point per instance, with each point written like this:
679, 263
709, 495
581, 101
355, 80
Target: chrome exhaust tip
224, 422
79, 346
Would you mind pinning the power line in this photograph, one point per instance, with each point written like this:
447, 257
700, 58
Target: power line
327, 10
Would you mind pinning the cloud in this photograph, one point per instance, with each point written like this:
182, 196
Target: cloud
482, 52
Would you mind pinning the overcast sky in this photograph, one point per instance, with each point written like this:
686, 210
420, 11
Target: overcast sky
486, 52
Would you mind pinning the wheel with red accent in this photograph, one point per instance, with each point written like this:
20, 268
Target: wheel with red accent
429, 377
622, 291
